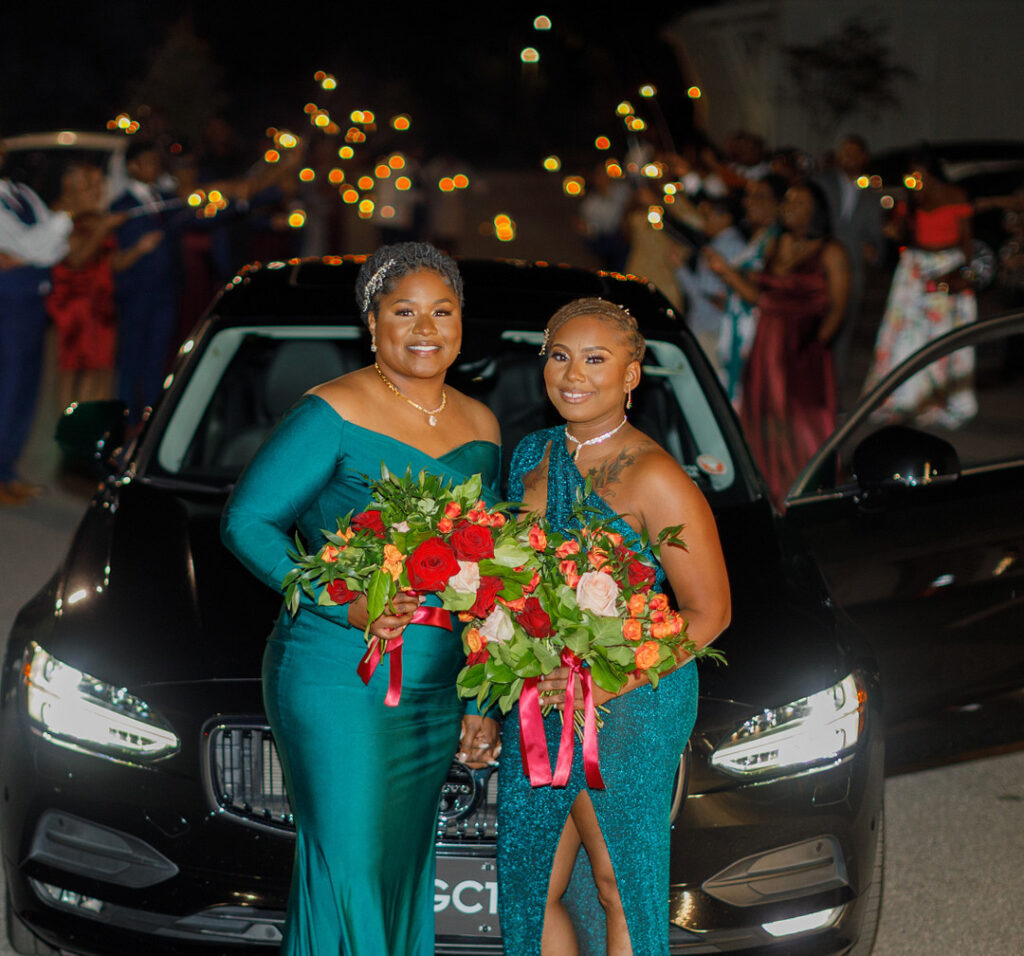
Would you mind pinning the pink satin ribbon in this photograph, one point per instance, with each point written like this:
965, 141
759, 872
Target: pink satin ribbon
533, 743
429, 617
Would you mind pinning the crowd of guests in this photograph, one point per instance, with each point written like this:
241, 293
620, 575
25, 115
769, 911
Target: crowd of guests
766, 257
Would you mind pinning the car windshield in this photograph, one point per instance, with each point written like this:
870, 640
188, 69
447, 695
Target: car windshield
246, 377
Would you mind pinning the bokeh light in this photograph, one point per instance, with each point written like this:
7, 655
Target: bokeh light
349, 195
346, 152
400, 122
542, 23
552, 164
863, 182
271, 155
573, 185
297, 219
613, 169
603, 142
382, 171
461, 180
307, 175
445, 184
396, 161
403, 183
504, 227
529, 54
365, 183
648, 90
694, 93
336, 176
625, 108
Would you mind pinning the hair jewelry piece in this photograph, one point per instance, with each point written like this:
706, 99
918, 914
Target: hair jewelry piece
374, 284
430, 413
580, 445
544, 344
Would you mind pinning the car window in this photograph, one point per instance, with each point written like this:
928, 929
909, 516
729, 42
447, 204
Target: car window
246, 378
971, 398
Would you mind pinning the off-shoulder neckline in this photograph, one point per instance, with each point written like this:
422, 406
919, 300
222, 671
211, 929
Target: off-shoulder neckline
451, 451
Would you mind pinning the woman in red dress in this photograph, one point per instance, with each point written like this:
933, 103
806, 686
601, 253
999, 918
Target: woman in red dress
82, 301
789, 391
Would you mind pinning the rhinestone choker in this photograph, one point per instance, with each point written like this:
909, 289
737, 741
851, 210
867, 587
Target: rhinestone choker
580, 445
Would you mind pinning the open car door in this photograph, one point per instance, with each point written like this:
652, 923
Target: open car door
918, 527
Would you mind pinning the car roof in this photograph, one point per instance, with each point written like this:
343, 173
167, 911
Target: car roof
526, 293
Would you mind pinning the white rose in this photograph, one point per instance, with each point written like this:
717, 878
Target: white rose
498, 626
467, 581
597, 592
400, 526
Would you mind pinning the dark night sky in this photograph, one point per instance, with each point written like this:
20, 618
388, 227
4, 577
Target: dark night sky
458, 75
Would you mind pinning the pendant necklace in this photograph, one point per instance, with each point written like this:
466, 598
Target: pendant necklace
580, 445
430, 413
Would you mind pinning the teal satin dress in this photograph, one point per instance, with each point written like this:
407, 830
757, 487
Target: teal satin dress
363, 779
644, 734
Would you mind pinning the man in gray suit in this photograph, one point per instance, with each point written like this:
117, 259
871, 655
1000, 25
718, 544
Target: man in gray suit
856, 216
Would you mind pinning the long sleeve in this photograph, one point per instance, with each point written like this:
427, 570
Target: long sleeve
277, 488
42, 243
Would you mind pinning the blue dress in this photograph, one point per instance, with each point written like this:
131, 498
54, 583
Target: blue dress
363, 779
644, 734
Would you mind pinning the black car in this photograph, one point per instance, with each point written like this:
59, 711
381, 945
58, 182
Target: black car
144, 805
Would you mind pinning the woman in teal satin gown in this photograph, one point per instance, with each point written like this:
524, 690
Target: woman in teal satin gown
607, 851
364, 778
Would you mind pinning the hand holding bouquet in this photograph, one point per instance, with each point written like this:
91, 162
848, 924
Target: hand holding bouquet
416, 535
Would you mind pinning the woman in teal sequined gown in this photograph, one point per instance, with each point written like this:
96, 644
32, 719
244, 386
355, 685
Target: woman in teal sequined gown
610, 846
363, 778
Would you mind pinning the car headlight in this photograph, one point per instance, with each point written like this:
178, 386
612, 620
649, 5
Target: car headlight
813, 730
75, 709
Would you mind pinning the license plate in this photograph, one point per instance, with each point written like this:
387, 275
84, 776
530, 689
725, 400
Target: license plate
466, 897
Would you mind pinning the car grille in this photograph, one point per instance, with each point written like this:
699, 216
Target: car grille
245, 781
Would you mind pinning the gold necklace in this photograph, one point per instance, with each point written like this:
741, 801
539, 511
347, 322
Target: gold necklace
580, 445
431, 414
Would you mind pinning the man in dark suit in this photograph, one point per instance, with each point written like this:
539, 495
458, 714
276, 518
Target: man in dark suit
146, 285
32, 238
856, 217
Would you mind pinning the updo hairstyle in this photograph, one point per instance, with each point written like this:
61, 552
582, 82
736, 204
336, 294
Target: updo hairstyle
604, 310
382, 270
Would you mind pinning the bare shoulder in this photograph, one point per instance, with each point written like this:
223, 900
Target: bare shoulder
346, 394
481, 419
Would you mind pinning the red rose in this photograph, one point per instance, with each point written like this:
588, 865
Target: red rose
486, 595
340, 593
368, 521
431, 565
472, 542
640, 574
535, 619
481, 656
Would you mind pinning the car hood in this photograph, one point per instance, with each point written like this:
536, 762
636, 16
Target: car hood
149, 594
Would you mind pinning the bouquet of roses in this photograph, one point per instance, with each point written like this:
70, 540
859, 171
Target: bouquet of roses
417, 534
591, 609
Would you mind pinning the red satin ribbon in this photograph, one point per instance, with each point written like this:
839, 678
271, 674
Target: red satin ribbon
427, 616
591, 764
533, 745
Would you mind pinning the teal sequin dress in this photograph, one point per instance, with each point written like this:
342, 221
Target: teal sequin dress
644, 734
363, 779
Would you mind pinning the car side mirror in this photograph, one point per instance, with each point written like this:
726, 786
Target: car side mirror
88, 433
899, 457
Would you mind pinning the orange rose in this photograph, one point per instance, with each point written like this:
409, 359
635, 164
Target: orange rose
636, 604
598, 558
517, 605
497, 520
393, 559
566, 548
452, 510
538, 539
475, 641
662, 629
632, 630
659, 602
569, 572
330, 553
647, 655
531, 585
614, 537
658, 616
445, 525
